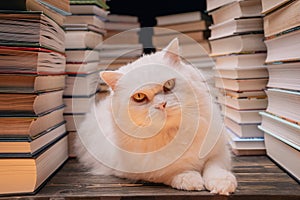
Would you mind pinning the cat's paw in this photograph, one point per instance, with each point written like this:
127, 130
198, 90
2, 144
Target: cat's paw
222, 182
189, 180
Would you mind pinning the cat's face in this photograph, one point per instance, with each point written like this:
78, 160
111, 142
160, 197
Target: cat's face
150, 94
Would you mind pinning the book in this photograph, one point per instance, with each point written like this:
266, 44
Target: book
244, 103
77, 104
121, 51
93, 20
280, 127
243, 116
187, 37
248, 43
29, 147
214, 4
243, 130
30, 83
82, 85
32, 104
100, 3
82, 55
180, 18
81, 68
237, 61
121, 26
43, 31
31, 60
83, 40
122, 18
238, 9
248, 94
84, 27
285, 155
182, 27
73, 121
246, 146
122, 37
27, 175
268, 6
34, 5
285, 18
61, 4
29, 126
284, 75
241, 84
241, 73
82, 9
283, 47
236, 26
290, 100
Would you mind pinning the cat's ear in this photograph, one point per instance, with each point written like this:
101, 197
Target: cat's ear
172, 51
110, 78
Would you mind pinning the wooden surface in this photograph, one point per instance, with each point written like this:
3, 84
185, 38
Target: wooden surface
258, 178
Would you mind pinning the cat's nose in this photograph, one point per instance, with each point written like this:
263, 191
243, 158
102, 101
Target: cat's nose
161, 105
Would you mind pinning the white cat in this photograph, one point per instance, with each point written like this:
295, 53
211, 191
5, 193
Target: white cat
158, 124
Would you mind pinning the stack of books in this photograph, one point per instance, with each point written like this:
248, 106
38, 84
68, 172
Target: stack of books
121, 43
281, 121
191, 29
84, 36
240, 75
33, 137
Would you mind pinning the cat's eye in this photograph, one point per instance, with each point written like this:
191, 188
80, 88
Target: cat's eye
169, 85
139, 97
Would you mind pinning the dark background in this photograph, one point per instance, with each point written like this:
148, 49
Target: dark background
147, 10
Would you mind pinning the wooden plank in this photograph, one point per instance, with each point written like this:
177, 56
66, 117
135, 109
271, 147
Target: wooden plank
258, 178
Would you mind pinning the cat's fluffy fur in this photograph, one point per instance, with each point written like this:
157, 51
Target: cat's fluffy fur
188, 105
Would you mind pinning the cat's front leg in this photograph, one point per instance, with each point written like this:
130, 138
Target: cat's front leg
218, 179
188, 180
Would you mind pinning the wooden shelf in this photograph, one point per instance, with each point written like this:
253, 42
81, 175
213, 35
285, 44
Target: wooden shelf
258, 178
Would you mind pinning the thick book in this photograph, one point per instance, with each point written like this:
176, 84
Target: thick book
200, 25
184, 38
236, 26
121, 26
78, 104
122, 18
93, 20
30, 83
237, 9
248, 43
214, 4
244, 103
284, 75
88, 10
283, 47
288, 156
287, 130
29, 126
268, 6
83, 40
243, 130
244, 94
100, 3
291, 101
11, 147
27, 175
74, 68
31, 60
243, 116
241, 61
82, 55
82, 85
31, 104
241, 84
283, 19
180, 18
246, 146
43, 31
242, 73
